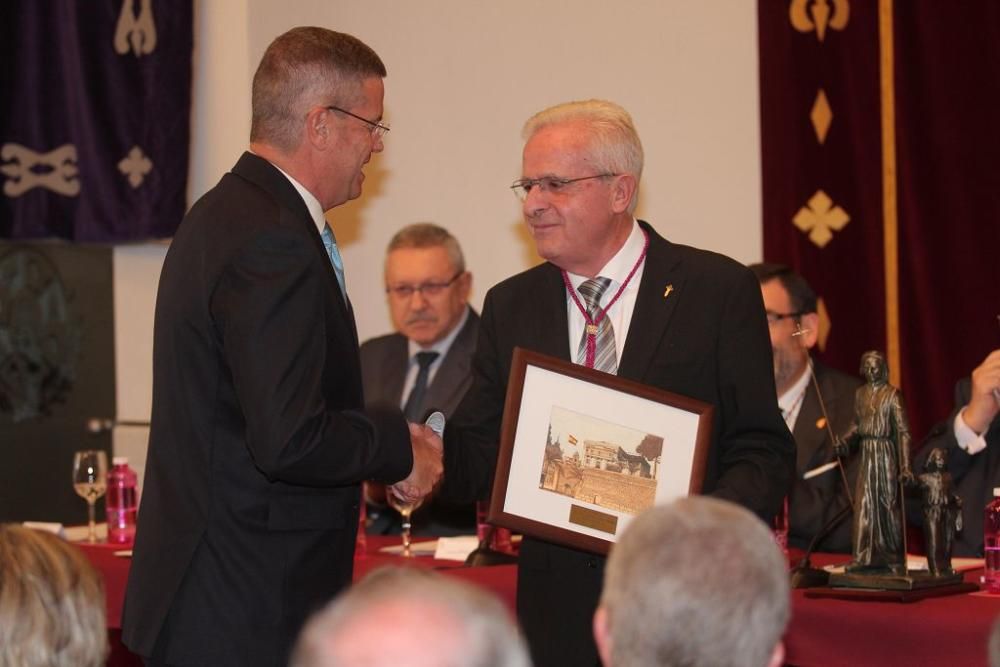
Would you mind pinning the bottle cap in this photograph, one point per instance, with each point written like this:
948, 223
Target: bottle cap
123, 461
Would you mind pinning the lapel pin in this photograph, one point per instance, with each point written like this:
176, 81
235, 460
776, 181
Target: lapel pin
668, 290
821, 422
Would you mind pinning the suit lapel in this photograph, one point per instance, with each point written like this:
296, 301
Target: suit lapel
809, 431
551, 320
456, 367
393, 370
266, 176
662, 287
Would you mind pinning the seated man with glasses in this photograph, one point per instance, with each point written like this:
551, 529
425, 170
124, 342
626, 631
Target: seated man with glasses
426, 364
814, 404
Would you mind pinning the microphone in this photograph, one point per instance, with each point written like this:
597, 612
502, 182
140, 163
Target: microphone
98, 425
436, 421
804, 575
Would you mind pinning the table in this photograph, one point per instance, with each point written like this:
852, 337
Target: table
936, 631
950, 630
500, 580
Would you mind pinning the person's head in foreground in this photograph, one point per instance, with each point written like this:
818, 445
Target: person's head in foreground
51, 603
413, 617
696, 582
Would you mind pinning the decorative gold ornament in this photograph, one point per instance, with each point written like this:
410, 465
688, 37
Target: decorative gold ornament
821, 116
809, 15
820, 218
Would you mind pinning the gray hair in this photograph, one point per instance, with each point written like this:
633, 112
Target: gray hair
429, 235
303, 68
615, 146
51, 602
488, 635
699, 581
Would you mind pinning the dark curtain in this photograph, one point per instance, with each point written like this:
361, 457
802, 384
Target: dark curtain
944, 89
95, 104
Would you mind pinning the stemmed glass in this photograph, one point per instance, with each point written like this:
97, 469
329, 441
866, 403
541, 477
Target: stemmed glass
90, 481
405, 510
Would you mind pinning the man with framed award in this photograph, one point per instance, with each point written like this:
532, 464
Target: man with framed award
616, 297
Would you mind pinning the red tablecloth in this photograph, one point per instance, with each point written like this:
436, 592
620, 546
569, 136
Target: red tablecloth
500, 579
940, 631
951, 630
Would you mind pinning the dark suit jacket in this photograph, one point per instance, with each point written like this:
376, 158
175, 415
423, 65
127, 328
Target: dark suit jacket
258, 439
384, 362
974, 476
708, 340
816, 501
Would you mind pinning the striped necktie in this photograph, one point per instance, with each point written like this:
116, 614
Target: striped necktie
330, 241
606, 358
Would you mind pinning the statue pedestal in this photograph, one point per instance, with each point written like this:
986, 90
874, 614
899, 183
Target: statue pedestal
913, 580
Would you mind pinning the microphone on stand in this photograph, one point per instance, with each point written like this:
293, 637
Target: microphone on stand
98, 425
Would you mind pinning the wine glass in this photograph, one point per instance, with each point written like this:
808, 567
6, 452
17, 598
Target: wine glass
405, 510
90, 481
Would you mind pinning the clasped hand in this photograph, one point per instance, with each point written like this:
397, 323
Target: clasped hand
428, 452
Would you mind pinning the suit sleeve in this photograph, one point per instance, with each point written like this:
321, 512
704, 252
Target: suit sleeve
473, 434
270, 309
943, 436
757, 451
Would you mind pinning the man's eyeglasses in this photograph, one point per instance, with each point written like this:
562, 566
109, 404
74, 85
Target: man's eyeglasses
774, 318
429, 290
550, 184
378, 129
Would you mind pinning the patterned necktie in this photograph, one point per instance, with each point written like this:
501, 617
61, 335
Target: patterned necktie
415, 401
330, 241
605, 359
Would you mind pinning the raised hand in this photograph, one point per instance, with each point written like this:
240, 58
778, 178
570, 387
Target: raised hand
984, 402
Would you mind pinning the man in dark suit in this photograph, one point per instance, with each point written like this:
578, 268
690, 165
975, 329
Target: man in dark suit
971, 438
812, 410
259, 440
678, 318
427, 364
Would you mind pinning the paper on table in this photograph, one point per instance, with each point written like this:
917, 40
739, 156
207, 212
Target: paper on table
47, 526
79, 533
425, 548
456, 548
920, 563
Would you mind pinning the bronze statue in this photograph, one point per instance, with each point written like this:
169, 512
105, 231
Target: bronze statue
881, 433
942, 512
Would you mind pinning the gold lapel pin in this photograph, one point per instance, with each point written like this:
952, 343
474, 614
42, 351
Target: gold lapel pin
668, 290
821, 422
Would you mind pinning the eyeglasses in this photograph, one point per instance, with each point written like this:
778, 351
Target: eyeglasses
429, 290
378, 129
550, 184
774, 318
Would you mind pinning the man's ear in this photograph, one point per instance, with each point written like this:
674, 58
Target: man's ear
318, 130
602, 634
621, 194
809, 324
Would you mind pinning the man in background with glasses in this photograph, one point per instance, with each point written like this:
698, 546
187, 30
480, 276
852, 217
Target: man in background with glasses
814, 410
259, 440
427, 364
616, 296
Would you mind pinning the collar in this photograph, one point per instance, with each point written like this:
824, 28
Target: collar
619, 266
315, 208
443, 345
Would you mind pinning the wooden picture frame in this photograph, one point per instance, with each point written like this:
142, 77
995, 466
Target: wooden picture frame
582, 452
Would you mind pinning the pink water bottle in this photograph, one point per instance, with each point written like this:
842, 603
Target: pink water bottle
991, 542
121, 501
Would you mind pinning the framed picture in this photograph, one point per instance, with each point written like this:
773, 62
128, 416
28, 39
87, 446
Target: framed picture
583, 452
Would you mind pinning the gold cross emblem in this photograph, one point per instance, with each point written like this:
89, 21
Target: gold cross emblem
820, 218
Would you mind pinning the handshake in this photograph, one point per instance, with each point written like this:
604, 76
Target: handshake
428, 452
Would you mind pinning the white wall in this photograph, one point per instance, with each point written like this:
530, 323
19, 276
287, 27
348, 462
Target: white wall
463, 77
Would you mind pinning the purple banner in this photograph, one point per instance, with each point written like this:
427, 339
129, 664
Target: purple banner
95, 104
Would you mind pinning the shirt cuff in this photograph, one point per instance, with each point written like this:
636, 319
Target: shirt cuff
967, 439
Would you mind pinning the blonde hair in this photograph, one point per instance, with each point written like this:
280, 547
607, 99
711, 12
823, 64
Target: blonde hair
615, 147
51, 603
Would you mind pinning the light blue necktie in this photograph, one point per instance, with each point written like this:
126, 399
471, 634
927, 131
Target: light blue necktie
330, 241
